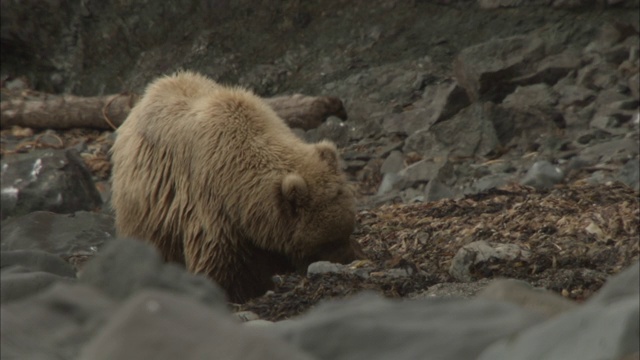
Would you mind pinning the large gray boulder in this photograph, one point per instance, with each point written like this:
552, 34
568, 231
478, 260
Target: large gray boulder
606, 327
126, 266
50, 180
159, 325
370, 327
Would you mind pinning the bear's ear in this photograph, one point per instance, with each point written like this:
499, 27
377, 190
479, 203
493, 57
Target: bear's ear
294, 189
329, 154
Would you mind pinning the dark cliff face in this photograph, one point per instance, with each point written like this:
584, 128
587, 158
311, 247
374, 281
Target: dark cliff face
96, 47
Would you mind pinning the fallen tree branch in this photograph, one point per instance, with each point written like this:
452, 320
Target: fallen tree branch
46, 111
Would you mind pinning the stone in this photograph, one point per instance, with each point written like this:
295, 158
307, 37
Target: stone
597, 76
324, 267
551, 69
467, 134
605, 327
436, 190
478, 252
359, 129
629, 174
332, 129
574, 95
159, 325
65, 235
75, 311
542, 175
387, 184
19, 285
488, 182
487, 70
126, 266
615, 149
418, 173
35, 260
50, 180
407, 122
386, 150
367, 326
532, 96
454, 290
258, 323
246, 316
445, 99
393, 163
521, 293
438, 103
604, 122
634, 86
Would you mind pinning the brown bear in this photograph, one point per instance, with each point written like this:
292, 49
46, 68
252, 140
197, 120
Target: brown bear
214, 179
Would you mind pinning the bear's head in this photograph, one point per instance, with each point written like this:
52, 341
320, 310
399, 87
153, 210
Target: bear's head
322, 206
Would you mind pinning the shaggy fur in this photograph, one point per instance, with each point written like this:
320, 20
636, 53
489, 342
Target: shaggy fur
217, 181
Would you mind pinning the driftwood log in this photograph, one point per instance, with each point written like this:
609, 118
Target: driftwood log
45, 111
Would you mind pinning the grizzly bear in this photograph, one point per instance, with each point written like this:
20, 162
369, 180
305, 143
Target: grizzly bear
213, 178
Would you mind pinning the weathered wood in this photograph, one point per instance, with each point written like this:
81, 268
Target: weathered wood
40, 110
46, 111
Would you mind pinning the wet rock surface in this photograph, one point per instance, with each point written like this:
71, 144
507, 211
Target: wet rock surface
494, 146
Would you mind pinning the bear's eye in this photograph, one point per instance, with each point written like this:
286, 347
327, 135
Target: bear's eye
340, 192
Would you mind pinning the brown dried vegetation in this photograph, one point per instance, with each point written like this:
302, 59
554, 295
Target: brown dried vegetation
577, 235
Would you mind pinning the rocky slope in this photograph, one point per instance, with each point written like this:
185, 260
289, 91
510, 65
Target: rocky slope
487, 139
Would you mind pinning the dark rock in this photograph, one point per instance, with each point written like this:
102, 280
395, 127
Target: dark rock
487, 70
407, 122
604, 122
160, 325
438, 103
532, 96
494, 4
36, 260
630, 174
469, 133
19, 285
605, 327
125, 266
387, 149
53, 180
611, 150
597, 76
332, 129
75, 312
403, 330
81, 233
574, 95
356, 155
479, 252
353, 166
359, 129
634, 85
551, 69
542, 175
